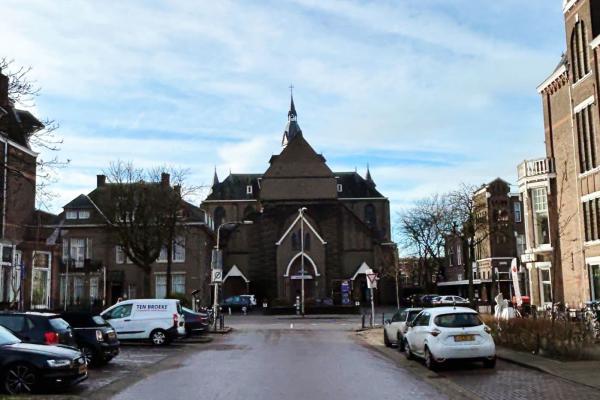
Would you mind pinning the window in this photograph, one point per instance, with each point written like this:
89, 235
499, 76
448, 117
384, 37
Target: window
423, 319
545, 286
458, 320
579, 52
162, 256
219, 216
77, 251
72, 214
459, 258
451, 256
120, 255
540, 211
521, 245
307, 241
179, 250
84, 214
295, 241
595, 281
591, 213
94, 288
517, 211
370, 217
584, 120
119, 312
249, 189
339, 188
131, 292
77, 289
161, 287
40, 280
178, 283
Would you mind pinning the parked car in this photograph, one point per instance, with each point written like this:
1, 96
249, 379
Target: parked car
26, 367
426, 300
39, 328
446, 333
394, 329
449, 300
251, 297
157, 320
96, 339
196, 322
236, 303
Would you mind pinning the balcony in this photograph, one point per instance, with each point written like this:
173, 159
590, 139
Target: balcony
535, 167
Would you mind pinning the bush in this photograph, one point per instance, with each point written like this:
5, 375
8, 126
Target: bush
557, 339
182, 299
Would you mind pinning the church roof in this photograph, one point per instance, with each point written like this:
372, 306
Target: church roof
355, 186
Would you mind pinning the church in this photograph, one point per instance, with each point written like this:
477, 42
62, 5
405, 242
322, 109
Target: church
308, 223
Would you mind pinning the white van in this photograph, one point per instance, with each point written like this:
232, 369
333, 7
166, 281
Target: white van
160, 320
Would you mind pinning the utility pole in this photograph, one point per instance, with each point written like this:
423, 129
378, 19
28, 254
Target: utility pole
302, 258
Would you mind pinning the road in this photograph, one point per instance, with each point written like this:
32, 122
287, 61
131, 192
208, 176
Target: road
322, 358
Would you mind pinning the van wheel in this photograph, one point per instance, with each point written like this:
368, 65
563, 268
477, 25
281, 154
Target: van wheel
158, 337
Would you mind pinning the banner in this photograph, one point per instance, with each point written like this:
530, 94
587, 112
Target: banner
514, 270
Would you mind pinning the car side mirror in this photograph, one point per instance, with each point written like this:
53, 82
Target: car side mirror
387, 322
409, 324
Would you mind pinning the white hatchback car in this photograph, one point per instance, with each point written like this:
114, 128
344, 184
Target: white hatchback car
447, 333
395, 328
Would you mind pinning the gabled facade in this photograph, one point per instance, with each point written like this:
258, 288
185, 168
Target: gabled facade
346, 224
94, 271
27, 247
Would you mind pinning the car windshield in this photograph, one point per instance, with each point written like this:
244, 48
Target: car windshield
412, 315
99, 320
457, 320
7, 338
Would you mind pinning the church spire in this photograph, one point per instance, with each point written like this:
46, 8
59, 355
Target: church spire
215, 178
368, 177
292, 129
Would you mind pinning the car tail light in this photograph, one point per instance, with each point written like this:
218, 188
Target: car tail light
175, 319
435, 332
51, 338
487, 329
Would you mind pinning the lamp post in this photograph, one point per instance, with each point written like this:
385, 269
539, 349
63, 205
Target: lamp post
301, 211
220, 266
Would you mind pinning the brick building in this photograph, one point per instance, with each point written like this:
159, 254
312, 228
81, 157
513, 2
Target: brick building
345, 227
499, 237
561, 191
27, 246
94, 271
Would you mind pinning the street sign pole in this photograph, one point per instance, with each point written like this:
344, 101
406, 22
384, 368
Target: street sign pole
372, 284
302, 256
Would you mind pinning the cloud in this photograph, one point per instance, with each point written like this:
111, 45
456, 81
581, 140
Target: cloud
430, 92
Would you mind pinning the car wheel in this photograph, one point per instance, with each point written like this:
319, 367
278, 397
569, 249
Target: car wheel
401, 344
386, 341
88, 354
158, 337
20, 379
489, 363
407, 352
430, 362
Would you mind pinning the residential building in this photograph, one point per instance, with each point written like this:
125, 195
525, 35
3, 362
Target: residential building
344, 229
561, 191
499, 238
27, 250
95, 271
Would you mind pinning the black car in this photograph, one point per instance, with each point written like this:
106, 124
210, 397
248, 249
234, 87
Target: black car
39, 328
195, 322
236, 303
96, 339
26, 367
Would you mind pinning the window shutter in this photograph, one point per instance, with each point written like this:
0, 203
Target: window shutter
88, 248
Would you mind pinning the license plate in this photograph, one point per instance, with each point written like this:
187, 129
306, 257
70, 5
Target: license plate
464, 338
82, 369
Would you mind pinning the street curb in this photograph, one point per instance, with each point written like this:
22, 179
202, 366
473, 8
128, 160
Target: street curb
223, 331
543, 370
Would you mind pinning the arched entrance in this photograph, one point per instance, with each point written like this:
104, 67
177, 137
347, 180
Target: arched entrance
235, 283
295, 276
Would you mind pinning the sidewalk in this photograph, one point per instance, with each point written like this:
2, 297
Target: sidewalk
581, 372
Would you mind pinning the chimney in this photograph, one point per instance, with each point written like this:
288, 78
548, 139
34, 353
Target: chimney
100, 180
4, 102
165, 179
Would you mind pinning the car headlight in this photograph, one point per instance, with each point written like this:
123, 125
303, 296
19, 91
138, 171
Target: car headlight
99, 336
58, 363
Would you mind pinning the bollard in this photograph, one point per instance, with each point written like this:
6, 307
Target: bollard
222, 321
363, 321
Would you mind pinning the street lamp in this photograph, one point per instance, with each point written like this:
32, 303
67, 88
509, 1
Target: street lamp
301, 211
232, 224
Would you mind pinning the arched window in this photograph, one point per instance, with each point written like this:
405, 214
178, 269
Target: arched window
370, 217
295, 241
219, 216
579, 51
307, 241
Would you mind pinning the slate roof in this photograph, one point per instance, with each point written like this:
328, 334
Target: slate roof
234, 187
18, 125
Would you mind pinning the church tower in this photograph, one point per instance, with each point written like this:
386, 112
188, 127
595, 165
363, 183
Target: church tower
292, 129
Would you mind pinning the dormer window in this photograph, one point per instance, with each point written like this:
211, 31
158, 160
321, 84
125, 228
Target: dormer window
78, 214
339, 188
249, 189
84, 214
71, 214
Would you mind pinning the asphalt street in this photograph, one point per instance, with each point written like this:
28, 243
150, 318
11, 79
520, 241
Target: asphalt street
278, 358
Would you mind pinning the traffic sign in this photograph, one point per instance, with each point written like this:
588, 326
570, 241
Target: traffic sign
217, 276
372, 281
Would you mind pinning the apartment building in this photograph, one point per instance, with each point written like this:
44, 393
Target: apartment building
94, 270
499, 238
561, 191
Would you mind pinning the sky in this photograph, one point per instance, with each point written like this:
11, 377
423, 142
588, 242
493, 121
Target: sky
428, 93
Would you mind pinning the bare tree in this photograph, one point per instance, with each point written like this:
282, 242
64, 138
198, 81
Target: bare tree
23, 91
